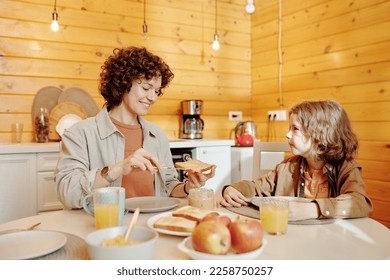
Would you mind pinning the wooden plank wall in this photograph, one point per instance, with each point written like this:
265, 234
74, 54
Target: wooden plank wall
33, 57
331, 49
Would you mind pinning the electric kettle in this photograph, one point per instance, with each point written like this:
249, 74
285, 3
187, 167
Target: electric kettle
245, 133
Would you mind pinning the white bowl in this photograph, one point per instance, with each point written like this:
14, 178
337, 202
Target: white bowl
186, 247
66, 122
141, 251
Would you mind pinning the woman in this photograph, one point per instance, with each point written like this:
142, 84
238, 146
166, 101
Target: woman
118, 147
323, 168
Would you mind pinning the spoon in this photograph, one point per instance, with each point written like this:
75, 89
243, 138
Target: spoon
132, 223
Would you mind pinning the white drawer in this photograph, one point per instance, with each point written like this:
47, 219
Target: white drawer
47, 161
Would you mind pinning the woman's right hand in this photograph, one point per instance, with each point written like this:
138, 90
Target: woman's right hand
232, 197
141, 159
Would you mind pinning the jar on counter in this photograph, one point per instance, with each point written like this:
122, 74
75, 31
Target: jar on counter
41, 125
201, 198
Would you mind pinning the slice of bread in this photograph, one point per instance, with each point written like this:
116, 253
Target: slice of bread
194, 165
175, 223
193, 213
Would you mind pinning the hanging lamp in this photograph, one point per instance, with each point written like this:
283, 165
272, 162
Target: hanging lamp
54, 24
145, 26
250, 7
216, 44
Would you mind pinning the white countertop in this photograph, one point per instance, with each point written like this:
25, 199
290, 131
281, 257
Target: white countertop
32, 147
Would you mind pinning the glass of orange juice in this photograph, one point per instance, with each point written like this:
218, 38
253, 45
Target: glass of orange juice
108, 206
274, 215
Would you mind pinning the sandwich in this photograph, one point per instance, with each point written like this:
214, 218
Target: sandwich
175, 224
194, 165
193, 213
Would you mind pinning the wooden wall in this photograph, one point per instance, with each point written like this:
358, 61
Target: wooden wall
331, 49
33, 57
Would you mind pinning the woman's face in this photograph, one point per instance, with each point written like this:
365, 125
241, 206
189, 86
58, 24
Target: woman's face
299, 143
143, 94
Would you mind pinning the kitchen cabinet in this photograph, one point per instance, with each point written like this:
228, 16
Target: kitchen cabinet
46, 188
242, 163
18, 186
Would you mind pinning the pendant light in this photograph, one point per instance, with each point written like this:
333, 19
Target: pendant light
145, 26
54, 24
250, 7
216, 44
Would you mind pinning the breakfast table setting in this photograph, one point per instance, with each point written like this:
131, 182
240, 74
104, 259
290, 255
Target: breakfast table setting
62, 235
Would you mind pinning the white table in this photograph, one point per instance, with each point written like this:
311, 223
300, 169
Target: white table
345, 239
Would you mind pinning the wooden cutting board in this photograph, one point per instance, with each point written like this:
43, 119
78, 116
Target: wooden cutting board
58, 112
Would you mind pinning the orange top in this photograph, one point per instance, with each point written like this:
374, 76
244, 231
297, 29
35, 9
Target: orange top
137, 182
316, 186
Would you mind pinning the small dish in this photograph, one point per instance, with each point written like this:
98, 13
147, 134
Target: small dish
186, 247
151, 204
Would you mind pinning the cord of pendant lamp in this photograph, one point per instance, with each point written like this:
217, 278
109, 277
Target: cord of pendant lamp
216, 44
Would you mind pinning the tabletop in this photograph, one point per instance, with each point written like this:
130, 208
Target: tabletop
362, 238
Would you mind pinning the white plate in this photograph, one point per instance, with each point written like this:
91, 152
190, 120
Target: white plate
27, 244
66, 122
150, 204
154, 219
256, 199
186, 247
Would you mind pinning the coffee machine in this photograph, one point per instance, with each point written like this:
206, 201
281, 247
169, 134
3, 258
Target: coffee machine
191, 125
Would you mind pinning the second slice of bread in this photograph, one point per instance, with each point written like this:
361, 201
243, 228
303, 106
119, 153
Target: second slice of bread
193, 213
175, 224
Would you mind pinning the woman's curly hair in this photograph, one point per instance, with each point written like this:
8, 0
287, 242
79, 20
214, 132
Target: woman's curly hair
330, 129
126, 65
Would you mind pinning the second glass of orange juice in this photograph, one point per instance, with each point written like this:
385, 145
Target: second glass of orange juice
274, 215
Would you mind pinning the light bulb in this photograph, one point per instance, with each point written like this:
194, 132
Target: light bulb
54, 24
145, 30
216, 45
250, 7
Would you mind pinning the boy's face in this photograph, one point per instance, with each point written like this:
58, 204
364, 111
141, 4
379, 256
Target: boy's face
299, 143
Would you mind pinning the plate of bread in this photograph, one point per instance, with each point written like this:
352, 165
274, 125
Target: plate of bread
180, 222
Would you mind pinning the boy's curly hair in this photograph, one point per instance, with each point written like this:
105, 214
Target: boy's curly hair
330, 129
126, 65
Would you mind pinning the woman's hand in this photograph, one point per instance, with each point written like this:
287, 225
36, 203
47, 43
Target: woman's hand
232, 197
141, 159
198, 179
302, 211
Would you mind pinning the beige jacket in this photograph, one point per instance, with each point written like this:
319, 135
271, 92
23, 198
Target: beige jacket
350, 201
93, 143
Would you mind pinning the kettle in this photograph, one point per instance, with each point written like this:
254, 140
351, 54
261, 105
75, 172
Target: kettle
245, 133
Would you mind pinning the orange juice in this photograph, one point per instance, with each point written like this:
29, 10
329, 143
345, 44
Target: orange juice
274, 220
106, 215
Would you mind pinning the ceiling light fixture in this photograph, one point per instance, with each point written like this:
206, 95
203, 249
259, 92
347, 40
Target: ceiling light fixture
250, 7
145, 26
216, 44
54, 24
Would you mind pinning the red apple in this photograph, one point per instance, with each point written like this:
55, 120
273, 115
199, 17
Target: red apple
211, 237
246, 235
218, 218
